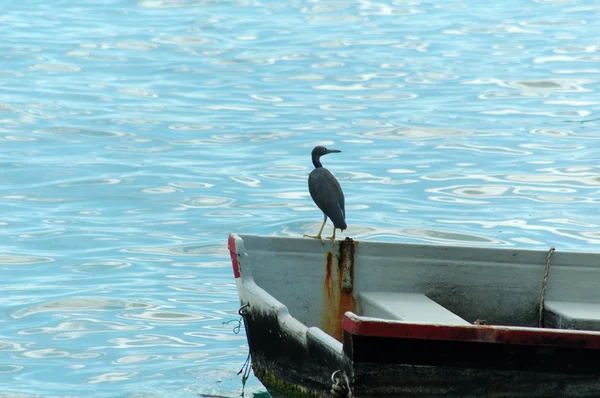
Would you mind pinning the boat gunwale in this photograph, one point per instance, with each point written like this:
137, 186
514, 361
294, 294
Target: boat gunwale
499, 334
469, 250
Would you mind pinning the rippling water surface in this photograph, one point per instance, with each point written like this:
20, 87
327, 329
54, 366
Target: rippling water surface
136, 135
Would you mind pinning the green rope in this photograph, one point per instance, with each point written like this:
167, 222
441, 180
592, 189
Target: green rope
245, 372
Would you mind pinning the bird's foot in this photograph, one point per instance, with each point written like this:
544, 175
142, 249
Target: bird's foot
332, 239
316, 237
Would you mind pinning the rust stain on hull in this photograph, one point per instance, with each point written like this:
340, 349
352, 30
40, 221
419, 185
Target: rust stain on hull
328, 288
338, 288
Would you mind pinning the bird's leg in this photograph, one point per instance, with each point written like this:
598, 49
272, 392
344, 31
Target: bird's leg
332, 237
318, 236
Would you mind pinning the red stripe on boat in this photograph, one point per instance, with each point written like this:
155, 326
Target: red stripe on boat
234, 258
477, 333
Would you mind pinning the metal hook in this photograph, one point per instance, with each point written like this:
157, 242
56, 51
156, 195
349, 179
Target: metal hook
340, 387
242, 311
333, 375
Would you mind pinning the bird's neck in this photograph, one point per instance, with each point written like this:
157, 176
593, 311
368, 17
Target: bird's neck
317, 161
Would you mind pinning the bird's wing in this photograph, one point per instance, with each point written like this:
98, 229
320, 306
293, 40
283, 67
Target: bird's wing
340, 195
326, 192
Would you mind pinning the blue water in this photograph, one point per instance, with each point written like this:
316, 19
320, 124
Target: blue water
136, 135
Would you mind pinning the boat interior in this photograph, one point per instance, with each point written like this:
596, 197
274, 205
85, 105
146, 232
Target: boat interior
449, 285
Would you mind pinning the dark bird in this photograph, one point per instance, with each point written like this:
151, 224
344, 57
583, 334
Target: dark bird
326, 192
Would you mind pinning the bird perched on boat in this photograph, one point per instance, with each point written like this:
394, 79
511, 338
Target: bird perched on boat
327, 194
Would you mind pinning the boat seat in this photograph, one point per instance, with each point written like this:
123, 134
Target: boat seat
408, 307
568, 315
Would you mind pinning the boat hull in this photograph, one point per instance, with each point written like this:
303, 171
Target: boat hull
394, 359
289, 364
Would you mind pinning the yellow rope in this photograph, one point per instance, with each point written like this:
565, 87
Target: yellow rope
544, 283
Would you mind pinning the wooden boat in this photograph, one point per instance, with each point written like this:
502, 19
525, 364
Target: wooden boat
375, 319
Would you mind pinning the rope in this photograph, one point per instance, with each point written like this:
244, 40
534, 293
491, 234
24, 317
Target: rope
245, 372
341, 385
247, 366
544, 284
243, 311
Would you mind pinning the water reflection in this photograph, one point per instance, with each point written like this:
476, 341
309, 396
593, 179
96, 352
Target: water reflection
111, 377
414, 133
151, 340
78, 304
7, 259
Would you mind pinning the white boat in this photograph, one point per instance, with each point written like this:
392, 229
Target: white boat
373, 319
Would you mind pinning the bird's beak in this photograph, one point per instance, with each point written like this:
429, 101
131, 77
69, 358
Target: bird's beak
333, 151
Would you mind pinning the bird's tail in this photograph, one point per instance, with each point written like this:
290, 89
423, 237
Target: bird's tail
341, 225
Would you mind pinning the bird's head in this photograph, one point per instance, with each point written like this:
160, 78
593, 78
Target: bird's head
319, 151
